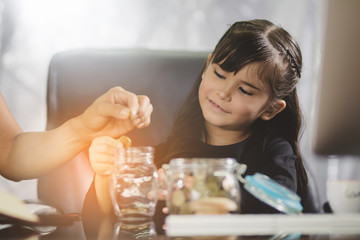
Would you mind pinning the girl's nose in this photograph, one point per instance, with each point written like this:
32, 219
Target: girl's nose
224, 94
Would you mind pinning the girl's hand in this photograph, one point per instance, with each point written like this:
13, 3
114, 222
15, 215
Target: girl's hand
101, 154
162, 190
162, 193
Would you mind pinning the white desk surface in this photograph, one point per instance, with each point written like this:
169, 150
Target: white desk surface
262, 224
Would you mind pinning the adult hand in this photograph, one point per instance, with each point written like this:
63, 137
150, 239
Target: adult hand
115, 113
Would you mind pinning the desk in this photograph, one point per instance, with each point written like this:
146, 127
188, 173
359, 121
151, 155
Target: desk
270, 227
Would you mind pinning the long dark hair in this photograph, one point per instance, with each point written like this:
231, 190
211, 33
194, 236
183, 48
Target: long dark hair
247, 42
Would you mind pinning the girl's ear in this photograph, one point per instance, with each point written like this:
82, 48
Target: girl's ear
272, 110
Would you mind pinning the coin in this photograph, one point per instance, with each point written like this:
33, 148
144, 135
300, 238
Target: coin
178, 198
213, 205
125, 140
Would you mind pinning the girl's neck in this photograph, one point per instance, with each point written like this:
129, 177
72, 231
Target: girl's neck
219, 137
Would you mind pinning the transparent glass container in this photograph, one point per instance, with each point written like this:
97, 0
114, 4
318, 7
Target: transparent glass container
203, 185
135, 230
134, 183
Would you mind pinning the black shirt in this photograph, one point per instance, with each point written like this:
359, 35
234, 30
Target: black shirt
272, 156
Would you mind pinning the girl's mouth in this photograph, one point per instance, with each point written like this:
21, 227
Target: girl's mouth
217, 107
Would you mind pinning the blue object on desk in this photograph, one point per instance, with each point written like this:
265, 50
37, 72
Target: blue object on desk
273, 194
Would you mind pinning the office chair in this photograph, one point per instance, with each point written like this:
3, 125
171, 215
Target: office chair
76, 78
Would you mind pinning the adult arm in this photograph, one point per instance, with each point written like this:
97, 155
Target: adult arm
9, 129
26, 155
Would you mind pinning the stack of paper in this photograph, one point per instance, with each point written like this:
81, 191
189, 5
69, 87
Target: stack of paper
12, 207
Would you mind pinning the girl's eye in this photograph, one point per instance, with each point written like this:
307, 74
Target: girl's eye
219, 75
244, 91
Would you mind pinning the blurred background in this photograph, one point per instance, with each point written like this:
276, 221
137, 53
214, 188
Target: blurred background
31, 32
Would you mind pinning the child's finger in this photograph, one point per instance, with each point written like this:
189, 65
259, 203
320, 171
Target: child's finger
162, 193
165, 210
102, 168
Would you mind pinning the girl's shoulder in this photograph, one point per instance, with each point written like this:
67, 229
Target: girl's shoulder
264, 147
265, 141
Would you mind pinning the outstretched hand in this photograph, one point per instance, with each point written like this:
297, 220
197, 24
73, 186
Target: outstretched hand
115, 113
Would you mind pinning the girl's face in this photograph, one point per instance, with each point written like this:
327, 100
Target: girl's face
232, 101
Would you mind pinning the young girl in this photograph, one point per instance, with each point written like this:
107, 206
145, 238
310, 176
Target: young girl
243, 106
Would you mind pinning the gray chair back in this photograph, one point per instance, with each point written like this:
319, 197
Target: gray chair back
76, 78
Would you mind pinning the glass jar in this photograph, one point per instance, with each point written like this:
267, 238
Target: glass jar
135, 230
203, 185
134, 183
